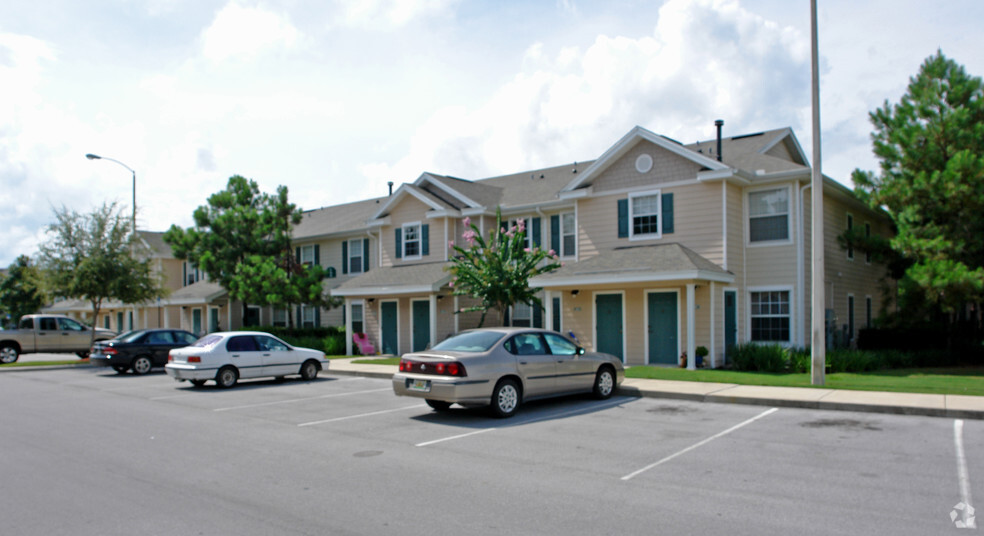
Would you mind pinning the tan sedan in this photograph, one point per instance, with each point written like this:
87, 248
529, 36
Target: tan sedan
503, 367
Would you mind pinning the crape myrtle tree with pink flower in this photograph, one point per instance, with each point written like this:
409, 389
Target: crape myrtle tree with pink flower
497, 271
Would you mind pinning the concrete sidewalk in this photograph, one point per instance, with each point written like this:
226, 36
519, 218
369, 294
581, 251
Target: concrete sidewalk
951, 406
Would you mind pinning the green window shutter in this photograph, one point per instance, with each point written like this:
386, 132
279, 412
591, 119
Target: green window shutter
399, 243
317, 317
536, 232
555, 233
537, 316
300, 318
298, 257
424, 240
667, 200
344, 256
365, 254
331, 272
184, 274
317, 255
623, 218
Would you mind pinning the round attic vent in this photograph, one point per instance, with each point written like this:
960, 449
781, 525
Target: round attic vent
644, 163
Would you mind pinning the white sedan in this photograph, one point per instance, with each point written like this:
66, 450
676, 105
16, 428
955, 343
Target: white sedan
228, 356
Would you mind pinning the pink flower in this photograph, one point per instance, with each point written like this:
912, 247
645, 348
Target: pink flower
526, 250
552, 253
521, 224
467, 221
469, 237
450, 243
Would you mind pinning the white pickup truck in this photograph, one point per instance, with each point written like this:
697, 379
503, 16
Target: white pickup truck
49, 334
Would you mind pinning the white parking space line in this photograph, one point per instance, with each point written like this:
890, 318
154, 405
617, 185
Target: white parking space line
336, 419
292, 400
522, 422
963, 476
702, 443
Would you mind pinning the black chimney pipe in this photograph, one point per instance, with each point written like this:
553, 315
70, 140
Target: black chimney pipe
719, 123
390, 184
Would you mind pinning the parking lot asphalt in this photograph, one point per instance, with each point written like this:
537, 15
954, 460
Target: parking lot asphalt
950, 406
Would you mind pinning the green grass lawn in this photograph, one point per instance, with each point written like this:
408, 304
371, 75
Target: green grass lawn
379, 361
45, 363
950, 381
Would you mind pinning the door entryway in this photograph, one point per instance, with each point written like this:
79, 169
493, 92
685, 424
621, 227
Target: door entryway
609, 326
388, 327
730, 323
662, 331
421, 325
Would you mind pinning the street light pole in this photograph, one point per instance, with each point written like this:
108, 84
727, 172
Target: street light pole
91, 156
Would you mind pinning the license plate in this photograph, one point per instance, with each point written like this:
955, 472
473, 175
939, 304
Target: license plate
424, 386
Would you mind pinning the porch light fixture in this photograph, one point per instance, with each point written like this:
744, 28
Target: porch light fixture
575, 292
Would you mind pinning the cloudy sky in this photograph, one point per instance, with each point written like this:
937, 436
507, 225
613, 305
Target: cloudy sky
335, 98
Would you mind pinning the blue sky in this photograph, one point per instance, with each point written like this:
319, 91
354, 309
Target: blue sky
334, 99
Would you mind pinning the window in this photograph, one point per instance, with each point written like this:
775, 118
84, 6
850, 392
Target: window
850, 227
522, 315
867, 311
644, 215
241, 343
770, 316
411, 240
192, 274
526, 344
568, 234
526, 229
560, 345
48, 324
307, 255
308, 317
69, 325
768, 215
280, 317
357, 325
356, 257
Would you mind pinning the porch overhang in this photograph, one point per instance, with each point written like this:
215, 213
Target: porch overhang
408, 280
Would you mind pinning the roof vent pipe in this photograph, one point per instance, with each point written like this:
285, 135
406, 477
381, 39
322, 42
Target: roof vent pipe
390, 184
719, 123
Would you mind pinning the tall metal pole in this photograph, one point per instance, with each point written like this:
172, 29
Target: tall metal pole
91, 156
818, 341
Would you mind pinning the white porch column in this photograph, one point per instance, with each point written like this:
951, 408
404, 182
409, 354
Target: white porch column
712, 354
348, 324
691, 319
548, 309
433, 319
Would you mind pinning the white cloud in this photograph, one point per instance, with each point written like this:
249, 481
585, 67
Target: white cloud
387, 14
239, 31
705, 59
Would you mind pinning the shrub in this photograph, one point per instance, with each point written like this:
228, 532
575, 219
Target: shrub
760, 357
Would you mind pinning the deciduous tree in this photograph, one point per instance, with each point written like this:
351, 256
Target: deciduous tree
21, 291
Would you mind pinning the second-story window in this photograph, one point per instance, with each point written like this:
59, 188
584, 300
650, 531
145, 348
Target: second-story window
568, 233
644, 215
192, 274
526, 229
768, 215
307, 256
411, 240
356, 257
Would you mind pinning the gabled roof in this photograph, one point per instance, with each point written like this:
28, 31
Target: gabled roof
155, 244
336, 219
749, 151
396, 280
630, 140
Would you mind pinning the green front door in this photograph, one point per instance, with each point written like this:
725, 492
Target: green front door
388, 326
421, 325
730, 323
608, 326
662, 329
196, 321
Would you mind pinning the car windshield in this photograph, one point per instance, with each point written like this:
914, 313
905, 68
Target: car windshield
131, 336
208, 340
470, 341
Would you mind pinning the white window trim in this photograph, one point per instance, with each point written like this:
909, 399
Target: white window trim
350, 317
362, 256
527, 228
308, 249
789, 218
659, 220
419, 240
748, 313
562, 253
512, 314
304, 312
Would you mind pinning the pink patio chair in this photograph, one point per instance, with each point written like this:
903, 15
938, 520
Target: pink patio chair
362, 341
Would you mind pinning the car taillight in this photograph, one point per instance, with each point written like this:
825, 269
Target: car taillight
170, 358
109, 351
452, 368
194, 359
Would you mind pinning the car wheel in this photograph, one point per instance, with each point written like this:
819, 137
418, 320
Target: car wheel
227, 377
309, 370
604, 384
120, 369
8, 354
197, 383
438, 405
505, 398
141, 365
82, 355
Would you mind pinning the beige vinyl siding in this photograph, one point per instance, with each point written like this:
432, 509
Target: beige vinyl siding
171, 270
667, 167
780, 150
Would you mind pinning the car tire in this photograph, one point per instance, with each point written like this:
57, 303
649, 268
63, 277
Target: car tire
82, 355
8, 354
141, 365
197, 383
309, 370
506, 398
120, 369
226, 377
438, 405
604, 384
